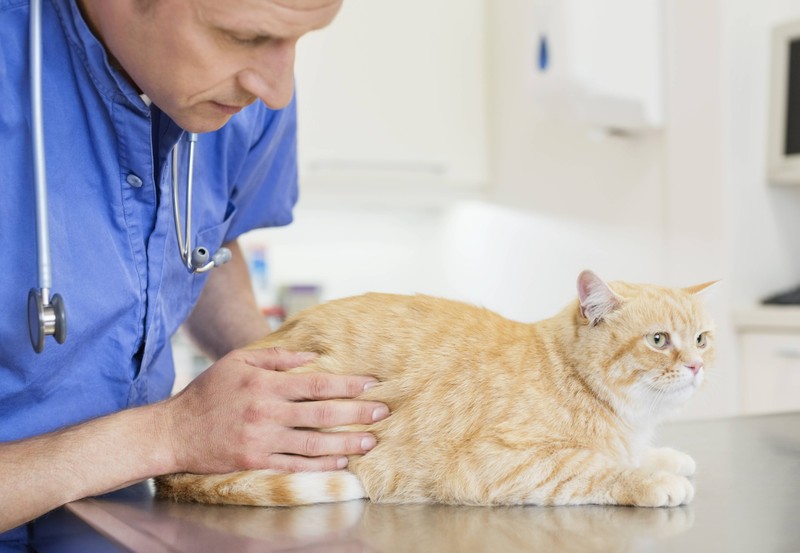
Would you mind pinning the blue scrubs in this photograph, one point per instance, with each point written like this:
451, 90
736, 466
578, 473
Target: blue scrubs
114, 252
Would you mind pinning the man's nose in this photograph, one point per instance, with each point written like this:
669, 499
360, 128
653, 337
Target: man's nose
271, 76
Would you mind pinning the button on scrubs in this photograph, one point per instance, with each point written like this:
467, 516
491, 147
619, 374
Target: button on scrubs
114, 251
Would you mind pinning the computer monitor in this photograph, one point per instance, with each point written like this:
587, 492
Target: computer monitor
783, 164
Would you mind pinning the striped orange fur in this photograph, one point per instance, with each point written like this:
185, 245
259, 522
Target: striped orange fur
488, 411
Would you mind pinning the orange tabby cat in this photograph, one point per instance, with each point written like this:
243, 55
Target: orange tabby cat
488, 411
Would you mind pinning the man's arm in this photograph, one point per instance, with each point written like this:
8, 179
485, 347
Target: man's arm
226, 316
41, 473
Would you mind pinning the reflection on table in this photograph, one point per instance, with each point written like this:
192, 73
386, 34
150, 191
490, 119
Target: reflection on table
748, 494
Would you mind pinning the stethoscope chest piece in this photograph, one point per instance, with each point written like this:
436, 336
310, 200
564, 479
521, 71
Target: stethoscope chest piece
46, 319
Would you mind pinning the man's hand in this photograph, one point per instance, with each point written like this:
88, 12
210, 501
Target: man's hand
246, 412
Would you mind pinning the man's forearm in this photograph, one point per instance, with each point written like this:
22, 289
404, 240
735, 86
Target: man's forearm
42, 473
226, 316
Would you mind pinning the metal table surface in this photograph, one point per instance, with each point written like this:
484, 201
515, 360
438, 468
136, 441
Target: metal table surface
747, 500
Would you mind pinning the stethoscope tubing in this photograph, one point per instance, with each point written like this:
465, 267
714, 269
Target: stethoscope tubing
47, 315
195, 260
40, 173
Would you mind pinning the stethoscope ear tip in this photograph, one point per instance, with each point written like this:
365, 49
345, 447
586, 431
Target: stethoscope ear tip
199, 257
221, 257
201, 264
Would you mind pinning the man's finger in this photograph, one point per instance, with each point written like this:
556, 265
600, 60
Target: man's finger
276, 359
310, 443
298, 463
317, 386
330, 413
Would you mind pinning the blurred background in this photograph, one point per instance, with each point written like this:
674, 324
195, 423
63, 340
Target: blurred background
488, 151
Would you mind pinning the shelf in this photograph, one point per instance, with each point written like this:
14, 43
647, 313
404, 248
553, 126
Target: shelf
768, 317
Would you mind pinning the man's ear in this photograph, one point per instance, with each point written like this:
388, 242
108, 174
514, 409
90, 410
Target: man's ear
596, 298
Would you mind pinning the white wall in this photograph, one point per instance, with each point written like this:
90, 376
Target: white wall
524, 265
349, 251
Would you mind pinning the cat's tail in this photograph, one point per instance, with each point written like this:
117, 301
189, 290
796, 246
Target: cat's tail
267, 488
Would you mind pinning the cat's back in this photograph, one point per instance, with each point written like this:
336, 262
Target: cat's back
380, 332
403, 312
360, 317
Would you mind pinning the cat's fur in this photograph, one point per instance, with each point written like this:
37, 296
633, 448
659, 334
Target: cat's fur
487, 411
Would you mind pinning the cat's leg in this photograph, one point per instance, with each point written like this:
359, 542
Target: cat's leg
581, 476
668, 459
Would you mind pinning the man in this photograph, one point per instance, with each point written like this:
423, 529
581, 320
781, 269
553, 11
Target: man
122, 81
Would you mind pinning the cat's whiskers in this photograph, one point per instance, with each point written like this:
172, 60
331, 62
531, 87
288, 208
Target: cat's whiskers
653, 394
656, 404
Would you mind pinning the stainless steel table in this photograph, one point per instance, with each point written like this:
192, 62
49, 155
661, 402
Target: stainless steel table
747, 500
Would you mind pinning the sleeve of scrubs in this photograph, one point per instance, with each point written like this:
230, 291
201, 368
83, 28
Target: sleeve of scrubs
265, 187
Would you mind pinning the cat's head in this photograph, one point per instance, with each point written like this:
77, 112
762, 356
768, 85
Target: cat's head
650, 346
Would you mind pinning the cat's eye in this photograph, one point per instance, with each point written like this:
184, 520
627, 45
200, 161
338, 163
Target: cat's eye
658, 340
702, 340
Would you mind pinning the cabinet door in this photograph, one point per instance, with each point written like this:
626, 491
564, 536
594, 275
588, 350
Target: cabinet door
770, 372
394, 92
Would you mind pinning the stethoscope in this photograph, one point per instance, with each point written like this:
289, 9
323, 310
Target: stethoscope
47, 315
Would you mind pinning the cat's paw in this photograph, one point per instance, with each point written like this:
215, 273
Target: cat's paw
654, 489
669, 460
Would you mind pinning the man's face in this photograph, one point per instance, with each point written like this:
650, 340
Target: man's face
201, 61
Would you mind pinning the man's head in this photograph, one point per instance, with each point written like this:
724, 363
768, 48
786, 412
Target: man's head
201, 61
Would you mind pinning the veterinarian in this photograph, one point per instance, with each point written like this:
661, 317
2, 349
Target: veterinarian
124, 83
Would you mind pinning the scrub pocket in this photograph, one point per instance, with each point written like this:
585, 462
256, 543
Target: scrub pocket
212, 239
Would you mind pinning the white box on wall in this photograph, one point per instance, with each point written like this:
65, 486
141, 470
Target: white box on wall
606, 56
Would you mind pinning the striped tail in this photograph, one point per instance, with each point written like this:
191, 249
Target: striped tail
267, 488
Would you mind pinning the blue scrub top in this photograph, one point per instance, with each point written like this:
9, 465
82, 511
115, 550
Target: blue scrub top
114, 253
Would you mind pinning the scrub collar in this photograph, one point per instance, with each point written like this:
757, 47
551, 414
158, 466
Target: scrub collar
110, 82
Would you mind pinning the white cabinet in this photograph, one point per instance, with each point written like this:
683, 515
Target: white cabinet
769, 347
393, 94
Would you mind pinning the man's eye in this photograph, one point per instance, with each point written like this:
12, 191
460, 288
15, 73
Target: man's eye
256, 40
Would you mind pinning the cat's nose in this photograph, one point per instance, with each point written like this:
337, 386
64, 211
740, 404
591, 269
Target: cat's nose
694, 366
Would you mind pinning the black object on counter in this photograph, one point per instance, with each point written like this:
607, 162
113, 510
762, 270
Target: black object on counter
791, 297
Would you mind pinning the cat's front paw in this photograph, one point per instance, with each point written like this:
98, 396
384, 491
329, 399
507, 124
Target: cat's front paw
669, 460
654, 489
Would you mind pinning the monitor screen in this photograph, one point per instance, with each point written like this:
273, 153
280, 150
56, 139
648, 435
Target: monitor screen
792, 139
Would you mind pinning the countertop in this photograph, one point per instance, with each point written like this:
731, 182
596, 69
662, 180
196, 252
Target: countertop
747, 500
768, 318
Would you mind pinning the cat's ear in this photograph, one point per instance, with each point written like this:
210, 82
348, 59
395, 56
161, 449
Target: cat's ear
596, 298
701, 289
